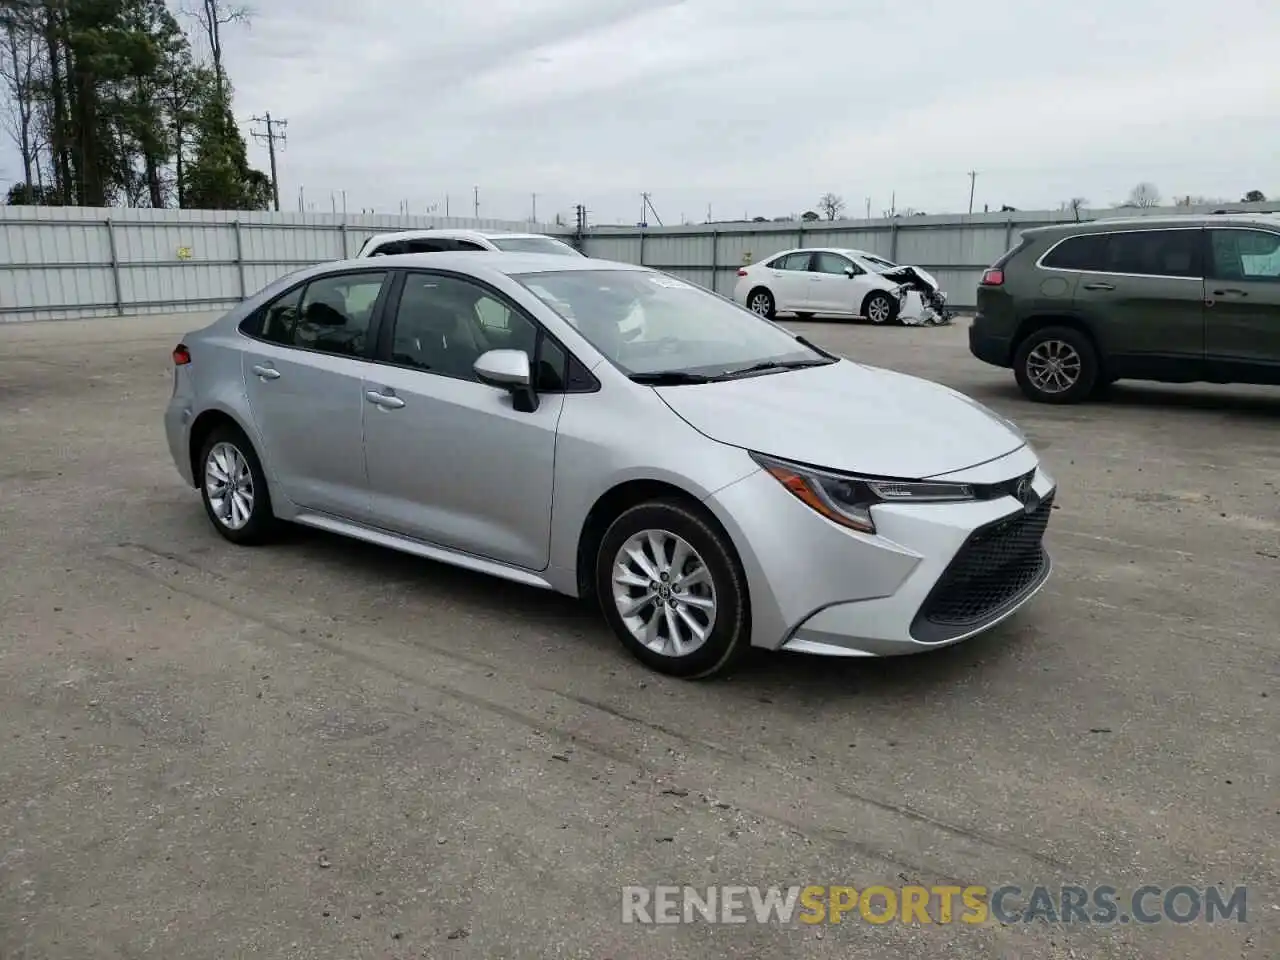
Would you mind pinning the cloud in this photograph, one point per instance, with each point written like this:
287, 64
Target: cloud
759, 106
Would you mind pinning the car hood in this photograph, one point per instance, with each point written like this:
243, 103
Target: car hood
850, 418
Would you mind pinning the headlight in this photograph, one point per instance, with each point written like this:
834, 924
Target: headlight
847, 500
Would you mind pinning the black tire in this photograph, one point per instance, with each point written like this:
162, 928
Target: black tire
804, 316
262, 523
730, 635
1088, 370
880, 303
768, 306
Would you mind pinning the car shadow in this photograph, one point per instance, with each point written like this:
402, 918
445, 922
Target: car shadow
762, 675
1199, 398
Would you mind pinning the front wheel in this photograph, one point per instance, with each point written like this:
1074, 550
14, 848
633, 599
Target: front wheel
879, 308
1056, 365
673, 591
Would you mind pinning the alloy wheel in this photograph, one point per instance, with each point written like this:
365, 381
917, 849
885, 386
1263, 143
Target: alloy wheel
664, 593
879, 309
1053, 366
228, 480
760, 303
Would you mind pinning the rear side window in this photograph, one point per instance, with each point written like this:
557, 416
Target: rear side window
793, 261
329, 314
1156, 253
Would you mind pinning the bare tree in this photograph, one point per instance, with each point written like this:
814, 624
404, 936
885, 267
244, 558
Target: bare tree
213, 15
1144, 195
831, 205
19, 61
1074, 206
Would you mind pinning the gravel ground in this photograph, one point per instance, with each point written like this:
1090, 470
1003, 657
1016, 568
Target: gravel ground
323, 749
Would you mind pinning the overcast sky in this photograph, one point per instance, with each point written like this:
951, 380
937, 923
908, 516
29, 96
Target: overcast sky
758, 107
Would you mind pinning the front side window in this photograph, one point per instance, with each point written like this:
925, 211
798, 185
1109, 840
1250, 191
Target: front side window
647, 322
534, 245
443, 324
1244, 255
832, 263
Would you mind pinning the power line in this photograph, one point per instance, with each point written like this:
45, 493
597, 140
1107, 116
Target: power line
274, 132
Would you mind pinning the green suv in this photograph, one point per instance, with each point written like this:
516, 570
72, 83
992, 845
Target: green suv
1076, 306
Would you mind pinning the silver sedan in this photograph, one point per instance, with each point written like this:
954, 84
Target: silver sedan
608, 431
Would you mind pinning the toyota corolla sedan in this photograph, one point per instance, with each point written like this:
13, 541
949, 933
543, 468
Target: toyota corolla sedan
714, 483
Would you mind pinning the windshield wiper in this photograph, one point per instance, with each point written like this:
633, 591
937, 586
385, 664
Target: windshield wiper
668, 378
771, 365
806, 342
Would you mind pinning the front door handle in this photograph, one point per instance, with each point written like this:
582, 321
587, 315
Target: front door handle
1231, 292
266, 373
1099, 285
387, 402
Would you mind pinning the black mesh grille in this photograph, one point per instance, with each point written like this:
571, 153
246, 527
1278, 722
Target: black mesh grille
994, 568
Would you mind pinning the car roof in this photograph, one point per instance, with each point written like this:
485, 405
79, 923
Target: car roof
1157, 223
848, 251
449, 233
478, 262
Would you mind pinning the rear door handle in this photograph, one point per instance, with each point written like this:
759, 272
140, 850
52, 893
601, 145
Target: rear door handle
387, 402
1099, 285
1231, 292
266, 373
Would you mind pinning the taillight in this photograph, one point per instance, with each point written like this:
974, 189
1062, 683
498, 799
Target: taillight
993, 277
742, 272
181, 355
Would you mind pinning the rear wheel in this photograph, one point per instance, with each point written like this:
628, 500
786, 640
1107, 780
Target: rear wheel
233, 487
673, 591
760, 301
1056, 365
879, 307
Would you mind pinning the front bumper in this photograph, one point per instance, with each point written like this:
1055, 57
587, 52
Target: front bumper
820, 588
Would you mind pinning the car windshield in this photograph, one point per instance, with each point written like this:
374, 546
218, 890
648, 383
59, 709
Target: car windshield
533, 245
648, 323
880, 264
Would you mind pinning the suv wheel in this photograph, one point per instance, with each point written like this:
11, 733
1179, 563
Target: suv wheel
1056, 365
673, 591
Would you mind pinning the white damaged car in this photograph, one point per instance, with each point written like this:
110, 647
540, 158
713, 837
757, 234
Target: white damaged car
835, 281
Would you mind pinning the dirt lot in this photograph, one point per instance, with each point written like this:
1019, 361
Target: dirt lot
321, 749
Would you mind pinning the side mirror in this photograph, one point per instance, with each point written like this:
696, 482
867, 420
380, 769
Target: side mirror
509, 370
850, 272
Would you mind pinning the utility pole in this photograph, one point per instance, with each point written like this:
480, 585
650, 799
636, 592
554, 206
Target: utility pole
868, 208
973, 179
476, 203
533, 218
275, 131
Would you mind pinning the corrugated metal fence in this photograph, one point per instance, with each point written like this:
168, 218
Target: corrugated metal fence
954, 248
61, 263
